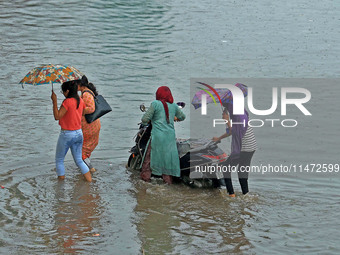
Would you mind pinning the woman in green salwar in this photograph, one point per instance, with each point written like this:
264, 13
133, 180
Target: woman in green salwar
161, 157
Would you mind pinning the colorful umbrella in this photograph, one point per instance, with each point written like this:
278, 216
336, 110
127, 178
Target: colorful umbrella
221, 96
51, 74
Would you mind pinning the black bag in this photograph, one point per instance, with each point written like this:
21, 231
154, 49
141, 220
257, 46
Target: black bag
102, 107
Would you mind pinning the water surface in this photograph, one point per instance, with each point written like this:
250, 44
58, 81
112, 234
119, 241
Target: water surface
128, 49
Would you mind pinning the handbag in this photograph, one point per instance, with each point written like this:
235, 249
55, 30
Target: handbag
101, 107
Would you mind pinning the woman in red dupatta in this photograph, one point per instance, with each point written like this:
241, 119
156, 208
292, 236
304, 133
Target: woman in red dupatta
161, 157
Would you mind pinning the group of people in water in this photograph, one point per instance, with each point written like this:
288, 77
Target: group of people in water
161, 156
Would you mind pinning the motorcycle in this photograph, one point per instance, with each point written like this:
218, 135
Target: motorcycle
194, 154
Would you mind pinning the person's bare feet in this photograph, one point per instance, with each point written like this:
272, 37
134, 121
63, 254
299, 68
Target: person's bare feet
88, 176
61, 177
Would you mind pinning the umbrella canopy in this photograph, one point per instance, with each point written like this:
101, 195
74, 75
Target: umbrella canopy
51, 74
223, 96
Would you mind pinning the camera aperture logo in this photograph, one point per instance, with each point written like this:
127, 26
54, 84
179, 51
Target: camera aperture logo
236, 95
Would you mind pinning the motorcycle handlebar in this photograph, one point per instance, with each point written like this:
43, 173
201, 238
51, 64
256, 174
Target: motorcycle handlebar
143, 108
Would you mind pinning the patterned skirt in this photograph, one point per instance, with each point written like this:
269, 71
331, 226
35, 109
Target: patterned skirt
91, 136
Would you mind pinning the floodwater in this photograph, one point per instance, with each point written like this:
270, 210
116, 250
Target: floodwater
127, 49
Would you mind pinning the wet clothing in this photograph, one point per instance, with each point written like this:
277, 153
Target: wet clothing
164, 159
71, 119
90, 130
70, 139
146, 171
243, 161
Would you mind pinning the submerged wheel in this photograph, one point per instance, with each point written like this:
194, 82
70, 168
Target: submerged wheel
134, 161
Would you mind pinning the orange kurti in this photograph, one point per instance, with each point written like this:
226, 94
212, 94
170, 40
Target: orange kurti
90, 130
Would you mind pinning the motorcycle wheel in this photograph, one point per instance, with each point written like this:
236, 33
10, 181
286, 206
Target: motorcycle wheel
134, 161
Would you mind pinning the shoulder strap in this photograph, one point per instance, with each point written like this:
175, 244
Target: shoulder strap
89, 91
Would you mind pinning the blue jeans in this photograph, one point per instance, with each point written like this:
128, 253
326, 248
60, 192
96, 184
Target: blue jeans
70, 139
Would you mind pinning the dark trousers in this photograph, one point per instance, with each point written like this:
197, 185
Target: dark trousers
243, 161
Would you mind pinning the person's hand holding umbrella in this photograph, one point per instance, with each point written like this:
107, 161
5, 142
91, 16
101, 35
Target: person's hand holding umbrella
54, 97
58, 114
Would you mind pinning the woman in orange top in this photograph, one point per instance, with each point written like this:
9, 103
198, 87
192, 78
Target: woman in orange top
69, 115
90, 130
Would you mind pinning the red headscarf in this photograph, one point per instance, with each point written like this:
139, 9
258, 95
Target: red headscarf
164, 95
